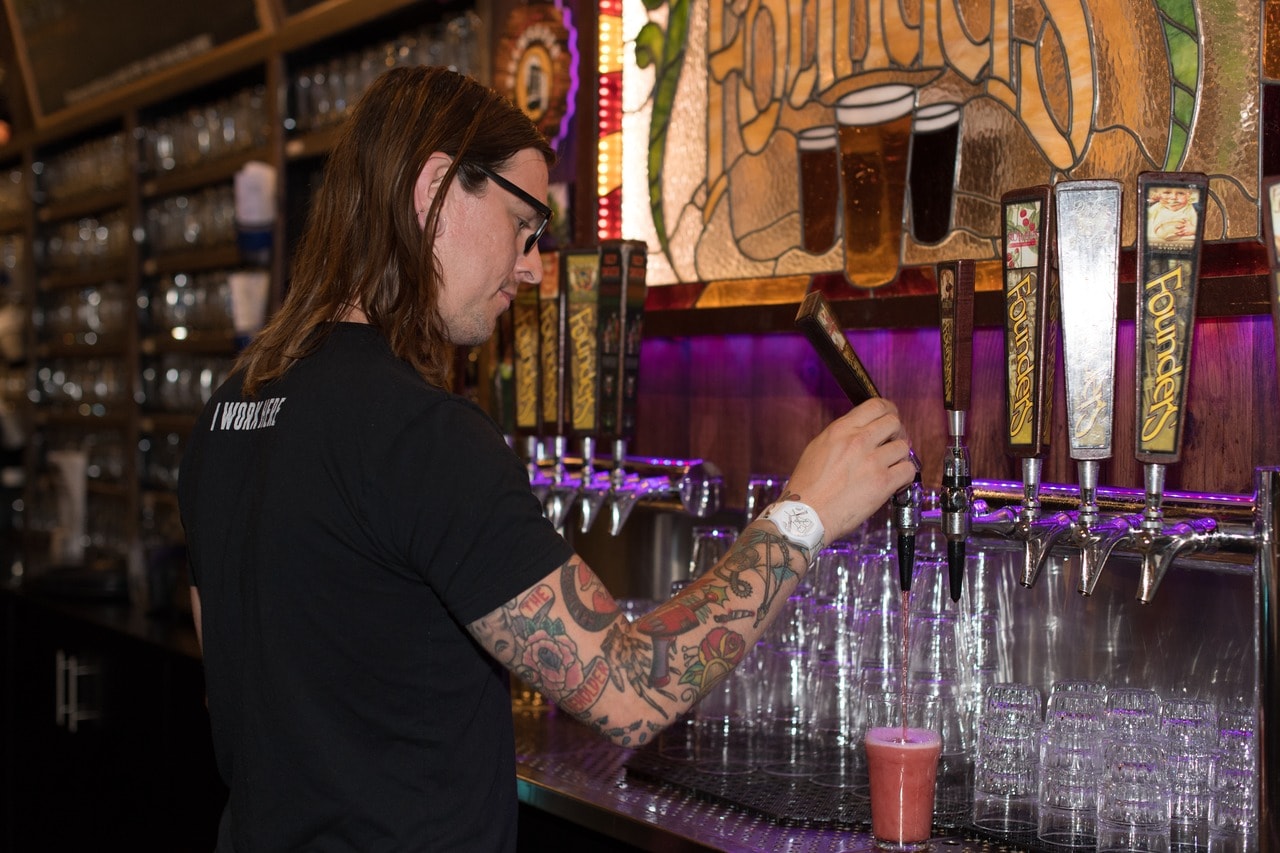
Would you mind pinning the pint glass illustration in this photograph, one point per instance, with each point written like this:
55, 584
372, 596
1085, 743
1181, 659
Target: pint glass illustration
819, 187
875, 129
935, 133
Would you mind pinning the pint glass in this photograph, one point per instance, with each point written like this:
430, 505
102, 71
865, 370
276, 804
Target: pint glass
875, 129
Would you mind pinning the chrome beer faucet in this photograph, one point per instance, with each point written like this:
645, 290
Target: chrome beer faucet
955, 324
593, 485
1030, 335
1170, 231
1088, 217
693, 486
819, 325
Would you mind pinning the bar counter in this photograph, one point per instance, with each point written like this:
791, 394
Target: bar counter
573, 774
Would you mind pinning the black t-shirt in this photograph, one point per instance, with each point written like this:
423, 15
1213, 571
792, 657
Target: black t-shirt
344, 526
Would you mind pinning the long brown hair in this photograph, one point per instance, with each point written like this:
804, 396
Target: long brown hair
362, 246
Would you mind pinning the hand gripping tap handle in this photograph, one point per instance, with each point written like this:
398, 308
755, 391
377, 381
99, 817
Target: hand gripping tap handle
818, 324
955, 324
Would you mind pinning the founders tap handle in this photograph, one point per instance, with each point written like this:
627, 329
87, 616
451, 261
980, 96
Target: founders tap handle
955, 324
527, 357
1270, 234
818, 323
582, 283
1170, 232
553, 344
1030, 327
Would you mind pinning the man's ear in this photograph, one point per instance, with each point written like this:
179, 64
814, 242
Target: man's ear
430, 182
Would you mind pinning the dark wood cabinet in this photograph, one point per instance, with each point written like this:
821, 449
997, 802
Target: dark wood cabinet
105, 736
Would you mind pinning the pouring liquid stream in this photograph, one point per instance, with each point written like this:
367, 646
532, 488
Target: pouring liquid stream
906, 646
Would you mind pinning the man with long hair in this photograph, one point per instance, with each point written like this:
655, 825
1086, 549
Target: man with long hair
367, 556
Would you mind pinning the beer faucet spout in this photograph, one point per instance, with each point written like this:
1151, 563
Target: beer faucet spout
1160, 550
593, 486
562, 492
1097, 542
1038, 538
906, 522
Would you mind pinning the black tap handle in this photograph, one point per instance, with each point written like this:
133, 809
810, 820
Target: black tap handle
819, 325
955, 324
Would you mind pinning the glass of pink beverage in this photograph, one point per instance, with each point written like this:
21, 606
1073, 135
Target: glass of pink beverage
902, 773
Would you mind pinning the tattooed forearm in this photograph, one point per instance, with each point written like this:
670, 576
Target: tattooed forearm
762, 556
567, 637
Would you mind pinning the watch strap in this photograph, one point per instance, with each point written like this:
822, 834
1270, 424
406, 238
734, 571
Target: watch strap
798, 523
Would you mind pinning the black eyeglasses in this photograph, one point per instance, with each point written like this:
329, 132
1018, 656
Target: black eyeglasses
540, 209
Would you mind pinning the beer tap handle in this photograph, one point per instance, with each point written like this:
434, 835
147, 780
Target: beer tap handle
552, 345
1030, 336
818, 323
1088, 215
527, 362
634, 266
1170, 232
955, 324
1271, 236
1030, 328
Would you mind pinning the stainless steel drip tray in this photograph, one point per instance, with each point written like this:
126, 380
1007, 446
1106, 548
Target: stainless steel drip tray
566, 770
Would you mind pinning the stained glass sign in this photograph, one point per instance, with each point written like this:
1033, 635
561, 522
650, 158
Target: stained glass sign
802, 137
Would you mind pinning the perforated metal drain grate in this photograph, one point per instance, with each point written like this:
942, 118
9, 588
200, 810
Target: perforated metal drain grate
653, 803
796, 799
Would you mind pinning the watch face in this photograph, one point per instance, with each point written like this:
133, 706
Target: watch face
798, 522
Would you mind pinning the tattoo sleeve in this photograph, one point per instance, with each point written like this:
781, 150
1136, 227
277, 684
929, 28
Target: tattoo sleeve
567, 638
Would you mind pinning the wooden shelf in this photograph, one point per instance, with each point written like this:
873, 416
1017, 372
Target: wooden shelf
196, 343
222, 170
82, 205
88, 277
195, 260
108, 346
316, 143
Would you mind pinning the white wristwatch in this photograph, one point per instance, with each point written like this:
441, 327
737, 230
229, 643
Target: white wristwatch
797, 522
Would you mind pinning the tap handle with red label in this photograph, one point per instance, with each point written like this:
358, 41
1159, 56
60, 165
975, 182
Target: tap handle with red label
1171, 207
1030, 325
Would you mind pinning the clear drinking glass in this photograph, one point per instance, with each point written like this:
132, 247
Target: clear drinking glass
1190, 729
1006, 759
1133, 797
